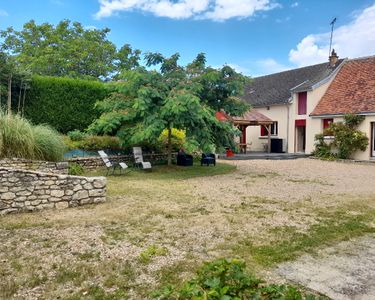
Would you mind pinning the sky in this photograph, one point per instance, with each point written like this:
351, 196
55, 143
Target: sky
256, 37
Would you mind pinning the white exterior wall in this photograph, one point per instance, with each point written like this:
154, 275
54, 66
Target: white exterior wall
313, 126
277, 113
365, 127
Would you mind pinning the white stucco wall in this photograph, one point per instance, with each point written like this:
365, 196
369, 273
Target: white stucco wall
278, 113
313, 126
365, 127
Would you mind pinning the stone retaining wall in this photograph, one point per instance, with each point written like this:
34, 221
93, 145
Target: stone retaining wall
35, 165
25, 190
93, 162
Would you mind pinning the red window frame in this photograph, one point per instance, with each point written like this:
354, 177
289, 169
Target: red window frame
327, 123
302, 103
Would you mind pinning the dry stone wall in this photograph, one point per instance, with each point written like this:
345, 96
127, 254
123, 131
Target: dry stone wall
35, 165
26, 190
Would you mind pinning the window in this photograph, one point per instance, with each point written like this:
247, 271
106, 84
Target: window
327, 123
274, 129
302, 103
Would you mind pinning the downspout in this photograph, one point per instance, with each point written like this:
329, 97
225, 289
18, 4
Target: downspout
287, 126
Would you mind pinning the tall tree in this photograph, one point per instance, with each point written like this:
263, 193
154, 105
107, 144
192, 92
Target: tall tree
67, 49
147, 102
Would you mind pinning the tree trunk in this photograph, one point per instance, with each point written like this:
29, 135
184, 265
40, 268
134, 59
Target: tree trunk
169, 146
19, 98
23, 101
9, 95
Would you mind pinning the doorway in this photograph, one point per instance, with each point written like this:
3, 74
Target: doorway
373, 139
300, 145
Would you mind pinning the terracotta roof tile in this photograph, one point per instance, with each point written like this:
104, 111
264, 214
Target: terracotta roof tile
352, 90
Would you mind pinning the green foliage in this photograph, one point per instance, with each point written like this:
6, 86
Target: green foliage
76, 135
65, 104
152, 251
225, 279
19, 138
148, 102
322, 148
347, 139
95, 142
49, 145
75, 169
178, 140
67, 49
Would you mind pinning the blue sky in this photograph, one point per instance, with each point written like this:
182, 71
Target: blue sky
254, 36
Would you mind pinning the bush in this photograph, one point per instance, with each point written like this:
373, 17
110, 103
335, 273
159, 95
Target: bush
64, 103
75, 169
19, 138
96, 142
227, 279
347, 139
178, 139
49, 145
76, 135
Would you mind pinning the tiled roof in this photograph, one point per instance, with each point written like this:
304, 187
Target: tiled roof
352, 90
276, 88
251, 117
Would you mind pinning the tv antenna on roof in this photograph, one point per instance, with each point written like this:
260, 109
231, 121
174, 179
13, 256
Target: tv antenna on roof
330, 42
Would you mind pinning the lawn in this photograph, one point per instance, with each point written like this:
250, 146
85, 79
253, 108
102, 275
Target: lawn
158, 227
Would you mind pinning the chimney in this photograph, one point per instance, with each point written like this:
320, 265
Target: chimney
333, 59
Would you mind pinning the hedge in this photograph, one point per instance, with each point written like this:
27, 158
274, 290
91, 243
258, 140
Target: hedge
64, 103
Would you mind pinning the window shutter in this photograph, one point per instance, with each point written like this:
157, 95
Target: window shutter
302, 103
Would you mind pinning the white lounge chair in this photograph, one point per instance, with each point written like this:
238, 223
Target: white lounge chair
138, 157
112, 165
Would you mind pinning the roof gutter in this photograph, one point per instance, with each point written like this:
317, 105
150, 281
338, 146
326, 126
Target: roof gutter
341, 115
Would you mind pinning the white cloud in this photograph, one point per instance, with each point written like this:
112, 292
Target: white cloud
295, 4
269, 66
218, 10
3, 13
352, 40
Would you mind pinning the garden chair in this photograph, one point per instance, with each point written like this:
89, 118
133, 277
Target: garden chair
138, 158
208, 159
112, 165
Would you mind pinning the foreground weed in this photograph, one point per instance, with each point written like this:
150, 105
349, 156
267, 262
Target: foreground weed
152, 251
228, 279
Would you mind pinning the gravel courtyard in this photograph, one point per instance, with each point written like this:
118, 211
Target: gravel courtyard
155, 231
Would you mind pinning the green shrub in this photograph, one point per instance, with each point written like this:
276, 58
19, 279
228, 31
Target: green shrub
178, 139
228, 279
16, 136
346, 138
64, 103
96, 142
75, 169
49, 145
76, 135
19, 138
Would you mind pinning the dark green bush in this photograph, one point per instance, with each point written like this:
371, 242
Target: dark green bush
64, 103
228, 279
76, 135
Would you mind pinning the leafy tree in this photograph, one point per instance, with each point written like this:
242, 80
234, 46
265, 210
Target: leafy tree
67, 49
147, 102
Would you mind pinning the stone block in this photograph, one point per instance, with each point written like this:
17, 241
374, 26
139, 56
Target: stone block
57, 193
8, 196
62, 205
80, 195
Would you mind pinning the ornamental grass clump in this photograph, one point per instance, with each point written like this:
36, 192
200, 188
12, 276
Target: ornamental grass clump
19, 138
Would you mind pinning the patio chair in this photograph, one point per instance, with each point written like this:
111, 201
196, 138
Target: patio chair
184, 159
208, 159
138, 158
111, 165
